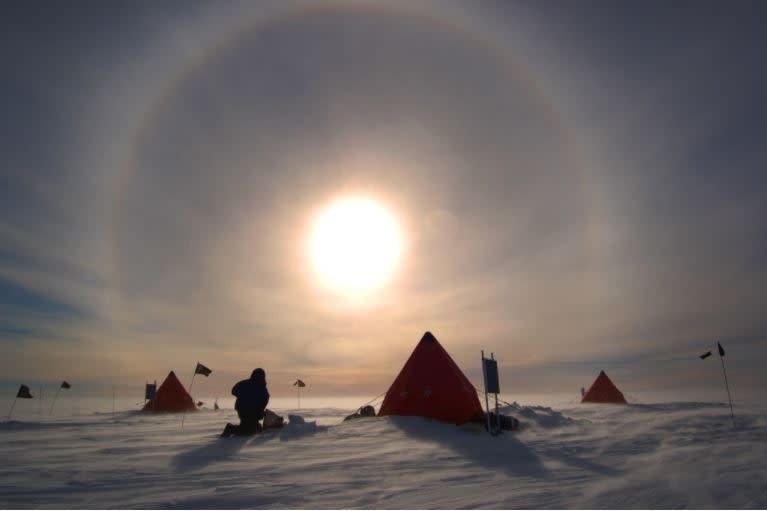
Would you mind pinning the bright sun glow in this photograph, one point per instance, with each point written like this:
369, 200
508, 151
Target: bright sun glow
355, 245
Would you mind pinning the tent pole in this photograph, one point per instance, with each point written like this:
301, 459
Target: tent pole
54, 400
12, 405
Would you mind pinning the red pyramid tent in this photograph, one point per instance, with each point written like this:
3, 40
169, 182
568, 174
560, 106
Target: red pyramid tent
431, 385
603, 390
171, 397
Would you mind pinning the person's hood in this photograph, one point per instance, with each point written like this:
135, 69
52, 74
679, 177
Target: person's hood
258, 376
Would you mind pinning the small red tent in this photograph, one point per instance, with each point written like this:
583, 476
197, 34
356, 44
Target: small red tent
171, 397
603, 390
431, 385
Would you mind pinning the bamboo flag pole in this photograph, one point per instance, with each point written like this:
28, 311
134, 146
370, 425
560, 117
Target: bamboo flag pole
298, 384
726, 384
724, 372
12, 405
55, 397
198, 369
23, 392
40, 403
183, 415
64, 385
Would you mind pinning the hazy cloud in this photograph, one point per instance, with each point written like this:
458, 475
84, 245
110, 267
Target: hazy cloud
567, 203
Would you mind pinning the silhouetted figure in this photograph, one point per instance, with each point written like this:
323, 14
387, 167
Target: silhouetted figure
252, 398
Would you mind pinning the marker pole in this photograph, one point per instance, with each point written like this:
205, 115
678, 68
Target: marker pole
54, 400
12, 405
727, 386
183, 416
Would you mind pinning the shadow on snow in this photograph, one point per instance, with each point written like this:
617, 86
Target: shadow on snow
220, 449
505, 452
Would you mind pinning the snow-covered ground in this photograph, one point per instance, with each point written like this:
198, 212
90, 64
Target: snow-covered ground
668, 455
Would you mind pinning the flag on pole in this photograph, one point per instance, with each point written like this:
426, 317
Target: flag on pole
724, 373
201, 369
299, 385
23, 393
64, 385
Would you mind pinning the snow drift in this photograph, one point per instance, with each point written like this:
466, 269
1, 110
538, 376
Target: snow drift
596, 456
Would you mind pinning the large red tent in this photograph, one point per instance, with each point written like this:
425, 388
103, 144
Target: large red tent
171, 397
603, 390
432, 385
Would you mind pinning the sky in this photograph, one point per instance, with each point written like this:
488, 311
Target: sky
578, 188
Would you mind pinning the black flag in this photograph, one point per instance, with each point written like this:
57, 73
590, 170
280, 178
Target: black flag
201, 369
299, 383
721, 350
705, 355
65, 385
24, 392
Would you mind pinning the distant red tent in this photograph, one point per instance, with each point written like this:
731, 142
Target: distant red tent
431, 385
603, 390
171, 397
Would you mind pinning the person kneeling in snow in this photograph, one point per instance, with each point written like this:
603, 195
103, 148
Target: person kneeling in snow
252, 398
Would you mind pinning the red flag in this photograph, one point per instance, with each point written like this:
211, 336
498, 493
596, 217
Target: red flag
24, 392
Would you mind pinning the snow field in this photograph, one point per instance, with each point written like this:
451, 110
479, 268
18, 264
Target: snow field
669, 455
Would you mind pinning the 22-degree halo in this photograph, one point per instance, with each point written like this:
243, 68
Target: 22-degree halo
355, 244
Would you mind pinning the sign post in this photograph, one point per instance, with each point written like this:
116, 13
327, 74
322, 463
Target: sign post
150, 390
492, 386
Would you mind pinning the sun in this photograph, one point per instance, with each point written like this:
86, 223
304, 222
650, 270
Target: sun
355, 245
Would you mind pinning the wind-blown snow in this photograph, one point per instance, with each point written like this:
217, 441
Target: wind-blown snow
594, 456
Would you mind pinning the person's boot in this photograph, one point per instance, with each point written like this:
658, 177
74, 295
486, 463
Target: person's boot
228, 430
